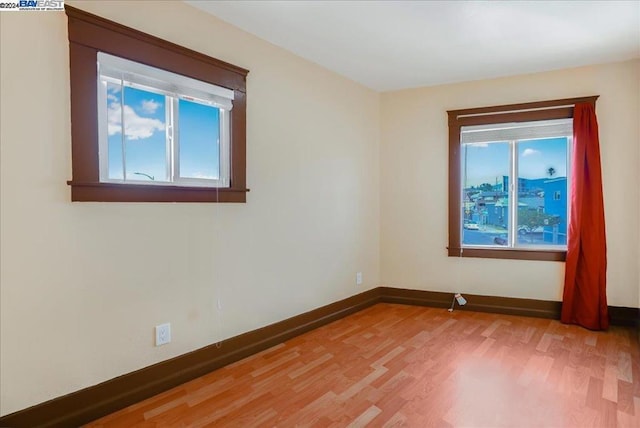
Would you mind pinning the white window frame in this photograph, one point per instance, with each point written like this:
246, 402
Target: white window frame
513, 133
174, 87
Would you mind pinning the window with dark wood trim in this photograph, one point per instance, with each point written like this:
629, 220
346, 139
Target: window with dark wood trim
90, 34
514, 113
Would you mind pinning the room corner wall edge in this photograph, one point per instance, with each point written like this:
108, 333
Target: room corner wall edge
91, 403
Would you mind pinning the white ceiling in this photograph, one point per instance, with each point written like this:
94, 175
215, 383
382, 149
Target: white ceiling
389, 45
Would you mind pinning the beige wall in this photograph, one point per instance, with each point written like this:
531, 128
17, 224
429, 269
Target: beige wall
83, 284
414, 225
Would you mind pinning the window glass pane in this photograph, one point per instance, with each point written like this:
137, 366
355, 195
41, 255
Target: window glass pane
114, 131
542, 192
145, 138
199, 140
485, 204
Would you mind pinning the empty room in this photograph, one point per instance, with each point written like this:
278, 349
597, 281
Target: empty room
320, 214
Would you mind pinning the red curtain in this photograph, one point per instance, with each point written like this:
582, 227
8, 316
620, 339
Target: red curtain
584, 300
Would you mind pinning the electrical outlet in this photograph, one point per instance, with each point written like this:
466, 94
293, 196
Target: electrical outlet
163, 334
219, 304
358, 278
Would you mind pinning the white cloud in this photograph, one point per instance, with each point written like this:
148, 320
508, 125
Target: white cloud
529, 152
200, 174
113, 92
149, 106
136, 127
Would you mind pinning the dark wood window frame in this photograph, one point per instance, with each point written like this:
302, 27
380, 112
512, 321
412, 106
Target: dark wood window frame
90, 34
525, 112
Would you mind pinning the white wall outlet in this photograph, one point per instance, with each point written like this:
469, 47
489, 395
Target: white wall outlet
163, 334
358, 278
219, 303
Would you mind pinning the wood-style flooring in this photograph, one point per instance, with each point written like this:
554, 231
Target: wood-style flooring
410, 366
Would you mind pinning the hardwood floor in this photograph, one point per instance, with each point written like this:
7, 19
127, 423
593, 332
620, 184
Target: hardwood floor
395, 365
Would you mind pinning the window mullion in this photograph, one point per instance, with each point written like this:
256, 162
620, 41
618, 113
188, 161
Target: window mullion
513, 200
103, 136
224, 152
123, 131
173, 151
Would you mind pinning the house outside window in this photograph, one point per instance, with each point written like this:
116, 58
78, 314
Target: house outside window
508, 151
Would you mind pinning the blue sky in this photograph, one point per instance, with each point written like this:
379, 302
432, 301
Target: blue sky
488, 162
145, 136
199, 137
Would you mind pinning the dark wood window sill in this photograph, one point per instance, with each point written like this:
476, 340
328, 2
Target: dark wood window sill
510, 253
117, 192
